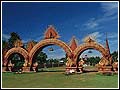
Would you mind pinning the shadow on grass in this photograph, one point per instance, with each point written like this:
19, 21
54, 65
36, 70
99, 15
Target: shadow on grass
51, 71
88, 71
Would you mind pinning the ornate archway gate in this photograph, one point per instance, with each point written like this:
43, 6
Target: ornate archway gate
44, 43
105, 64
7, 63
72, 51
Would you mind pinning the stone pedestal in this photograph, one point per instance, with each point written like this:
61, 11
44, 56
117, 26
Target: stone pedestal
80, 69
34, 69
115, 69
25, 69
4, 69
105, 69
10, 68
69, 69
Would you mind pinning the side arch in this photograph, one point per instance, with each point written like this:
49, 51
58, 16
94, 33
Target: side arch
86, 46
19, 50
47, 42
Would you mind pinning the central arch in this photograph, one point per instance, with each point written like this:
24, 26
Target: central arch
92, 45
47, 42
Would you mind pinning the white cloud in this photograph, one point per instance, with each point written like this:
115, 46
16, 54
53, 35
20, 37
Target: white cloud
95, 36
113, 42
109, 8
91, 24
5, 36
110, 12
112, 35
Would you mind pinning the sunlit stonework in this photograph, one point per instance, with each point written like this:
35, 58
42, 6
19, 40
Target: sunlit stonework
18, 43
72, 51
51, 33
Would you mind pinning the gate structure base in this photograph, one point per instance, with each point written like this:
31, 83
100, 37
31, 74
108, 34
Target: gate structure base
4, 69
25, 69
74, 69
71, 69
105, 69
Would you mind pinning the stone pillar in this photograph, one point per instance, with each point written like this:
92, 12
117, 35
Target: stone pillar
105, 69
105, 66
26, 67
35, 67
70, 65
115, 67
4, 67
10, 66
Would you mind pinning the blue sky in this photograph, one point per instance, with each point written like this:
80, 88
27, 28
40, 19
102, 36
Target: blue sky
79, 19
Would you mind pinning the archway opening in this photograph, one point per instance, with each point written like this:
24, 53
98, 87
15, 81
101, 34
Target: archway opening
50, 58
91, 58
17, 60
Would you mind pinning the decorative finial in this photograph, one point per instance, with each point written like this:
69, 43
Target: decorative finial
51, 33
73, 43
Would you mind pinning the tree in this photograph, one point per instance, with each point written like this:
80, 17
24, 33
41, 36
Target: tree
17, 60
97, 59
41, 57
13, 38
64, 59
115, 56
4, 44
56, 60
93, 60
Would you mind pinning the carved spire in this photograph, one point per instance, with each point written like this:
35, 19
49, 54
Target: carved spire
30, 45
88, 40
51, 33
107, 45
73, 43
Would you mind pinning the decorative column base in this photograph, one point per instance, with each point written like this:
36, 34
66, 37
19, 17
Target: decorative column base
25, 69
34, 69
115, 69
81, 69
10, 68
105, 69
71, 69
4, 69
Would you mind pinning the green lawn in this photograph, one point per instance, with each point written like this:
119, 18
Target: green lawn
58, 80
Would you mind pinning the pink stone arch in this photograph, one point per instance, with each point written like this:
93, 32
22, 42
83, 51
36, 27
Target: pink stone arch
46, 42
86, 46
19, 50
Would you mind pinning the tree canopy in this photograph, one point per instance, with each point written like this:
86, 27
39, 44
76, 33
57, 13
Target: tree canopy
115, 56
41, 57
13, 38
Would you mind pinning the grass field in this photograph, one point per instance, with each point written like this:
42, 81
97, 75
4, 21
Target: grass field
53, 79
